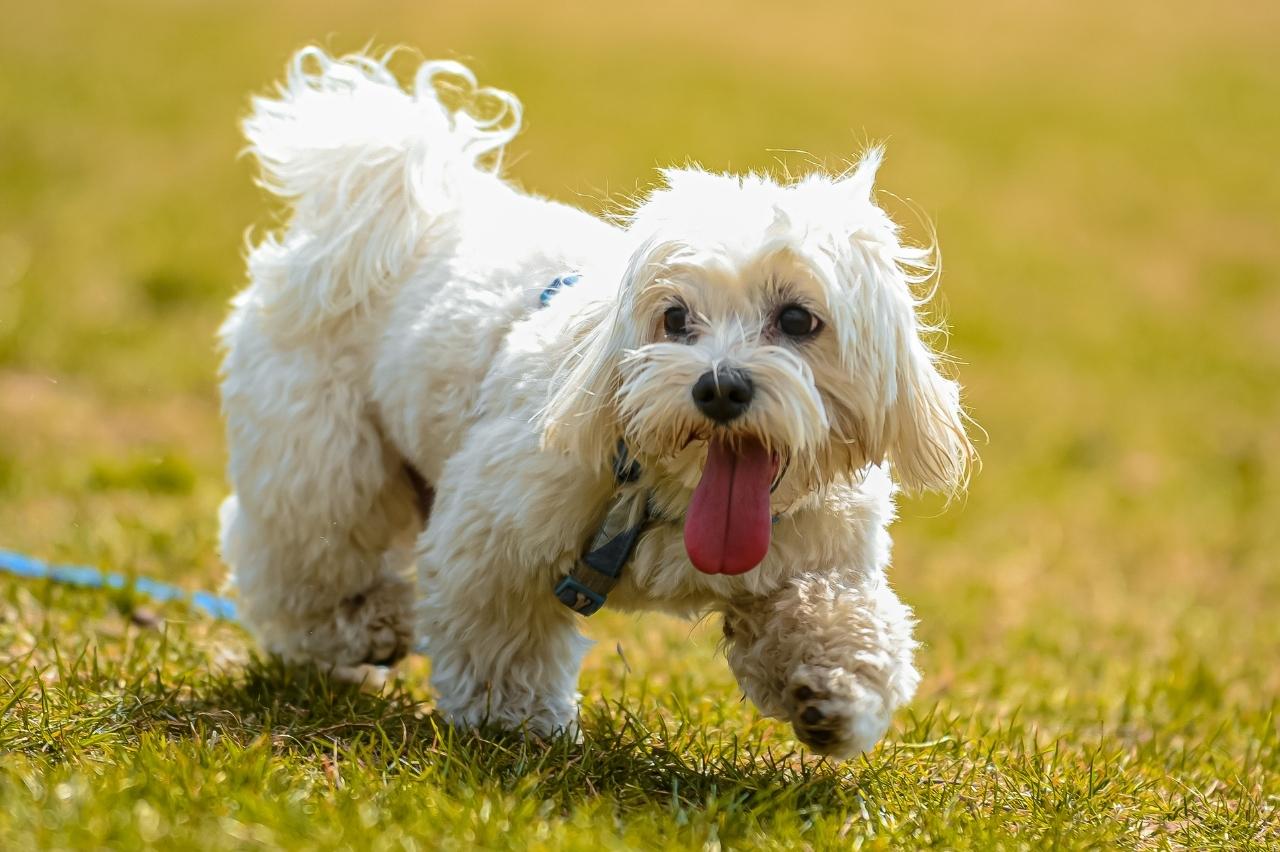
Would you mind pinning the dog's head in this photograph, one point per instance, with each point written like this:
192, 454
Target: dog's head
765, 343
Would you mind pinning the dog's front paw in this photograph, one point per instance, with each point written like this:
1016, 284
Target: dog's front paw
545, 717
833, 713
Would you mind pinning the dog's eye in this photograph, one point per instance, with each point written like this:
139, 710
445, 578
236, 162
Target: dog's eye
676, 321
795, 321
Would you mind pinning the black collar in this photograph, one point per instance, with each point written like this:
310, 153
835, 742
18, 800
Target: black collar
585, 588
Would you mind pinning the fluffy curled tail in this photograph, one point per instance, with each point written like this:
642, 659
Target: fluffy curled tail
365, 165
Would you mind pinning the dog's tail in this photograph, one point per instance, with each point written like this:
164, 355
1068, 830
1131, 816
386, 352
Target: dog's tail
365, 165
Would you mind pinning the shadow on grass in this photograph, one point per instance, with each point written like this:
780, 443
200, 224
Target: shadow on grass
116, 690
626, 756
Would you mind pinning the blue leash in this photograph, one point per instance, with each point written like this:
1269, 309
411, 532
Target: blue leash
85, 577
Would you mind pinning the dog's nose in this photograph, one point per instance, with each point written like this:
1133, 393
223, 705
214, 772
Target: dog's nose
724, 394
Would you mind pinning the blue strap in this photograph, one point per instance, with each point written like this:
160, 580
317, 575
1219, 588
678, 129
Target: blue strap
555, 286
86, 577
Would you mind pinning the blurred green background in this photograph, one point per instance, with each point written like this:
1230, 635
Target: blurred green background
1103, 179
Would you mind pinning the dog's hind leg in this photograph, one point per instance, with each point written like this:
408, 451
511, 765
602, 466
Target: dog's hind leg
318, 532
367, 168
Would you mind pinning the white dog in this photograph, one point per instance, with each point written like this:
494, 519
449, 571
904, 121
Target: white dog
697, 412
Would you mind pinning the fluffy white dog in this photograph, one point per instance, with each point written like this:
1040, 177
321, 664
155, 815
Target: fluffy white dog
697, 412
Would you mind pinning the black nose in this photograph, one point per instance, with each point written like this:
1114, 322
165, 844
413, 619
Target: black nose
724, 394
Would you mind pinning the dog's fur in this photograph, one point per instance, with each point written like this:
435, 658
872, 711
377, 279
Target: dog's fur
395, 324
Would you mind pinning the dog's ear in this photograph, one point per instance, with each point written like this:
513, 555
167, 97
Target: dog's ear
925, 424
922, 423
581, 416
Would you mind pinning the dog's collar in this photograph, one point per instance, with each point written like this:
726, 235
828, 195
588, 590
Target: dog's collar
586, 587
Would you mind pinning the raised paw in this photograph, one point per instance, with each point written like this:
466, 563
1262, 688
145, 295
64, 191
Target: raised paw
833, 713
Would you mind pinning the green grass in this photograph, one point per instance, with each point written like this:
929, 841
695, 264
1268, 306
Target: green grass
1099, 615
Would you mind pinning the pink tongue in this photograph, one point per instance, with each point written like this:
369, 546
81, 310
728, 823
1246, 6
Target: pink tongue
728, 525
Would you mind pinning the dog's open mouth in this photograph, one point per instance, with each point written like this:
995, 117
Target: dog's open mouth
729, 523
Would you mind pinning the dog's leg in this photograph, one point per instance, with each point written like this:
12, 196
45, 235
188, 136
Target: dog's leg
835, 660
311, 532
500, 654
503, 659
503, 650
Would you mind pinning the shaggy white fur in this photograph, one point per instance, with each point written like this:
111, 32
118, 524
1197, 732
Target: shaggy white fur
396, 324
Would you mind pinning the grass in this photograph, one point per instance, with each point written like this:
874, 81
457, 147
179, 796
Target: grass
1098, 616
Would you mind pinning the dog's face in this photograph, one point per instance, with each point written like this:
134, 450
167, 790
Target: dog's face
765, 343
